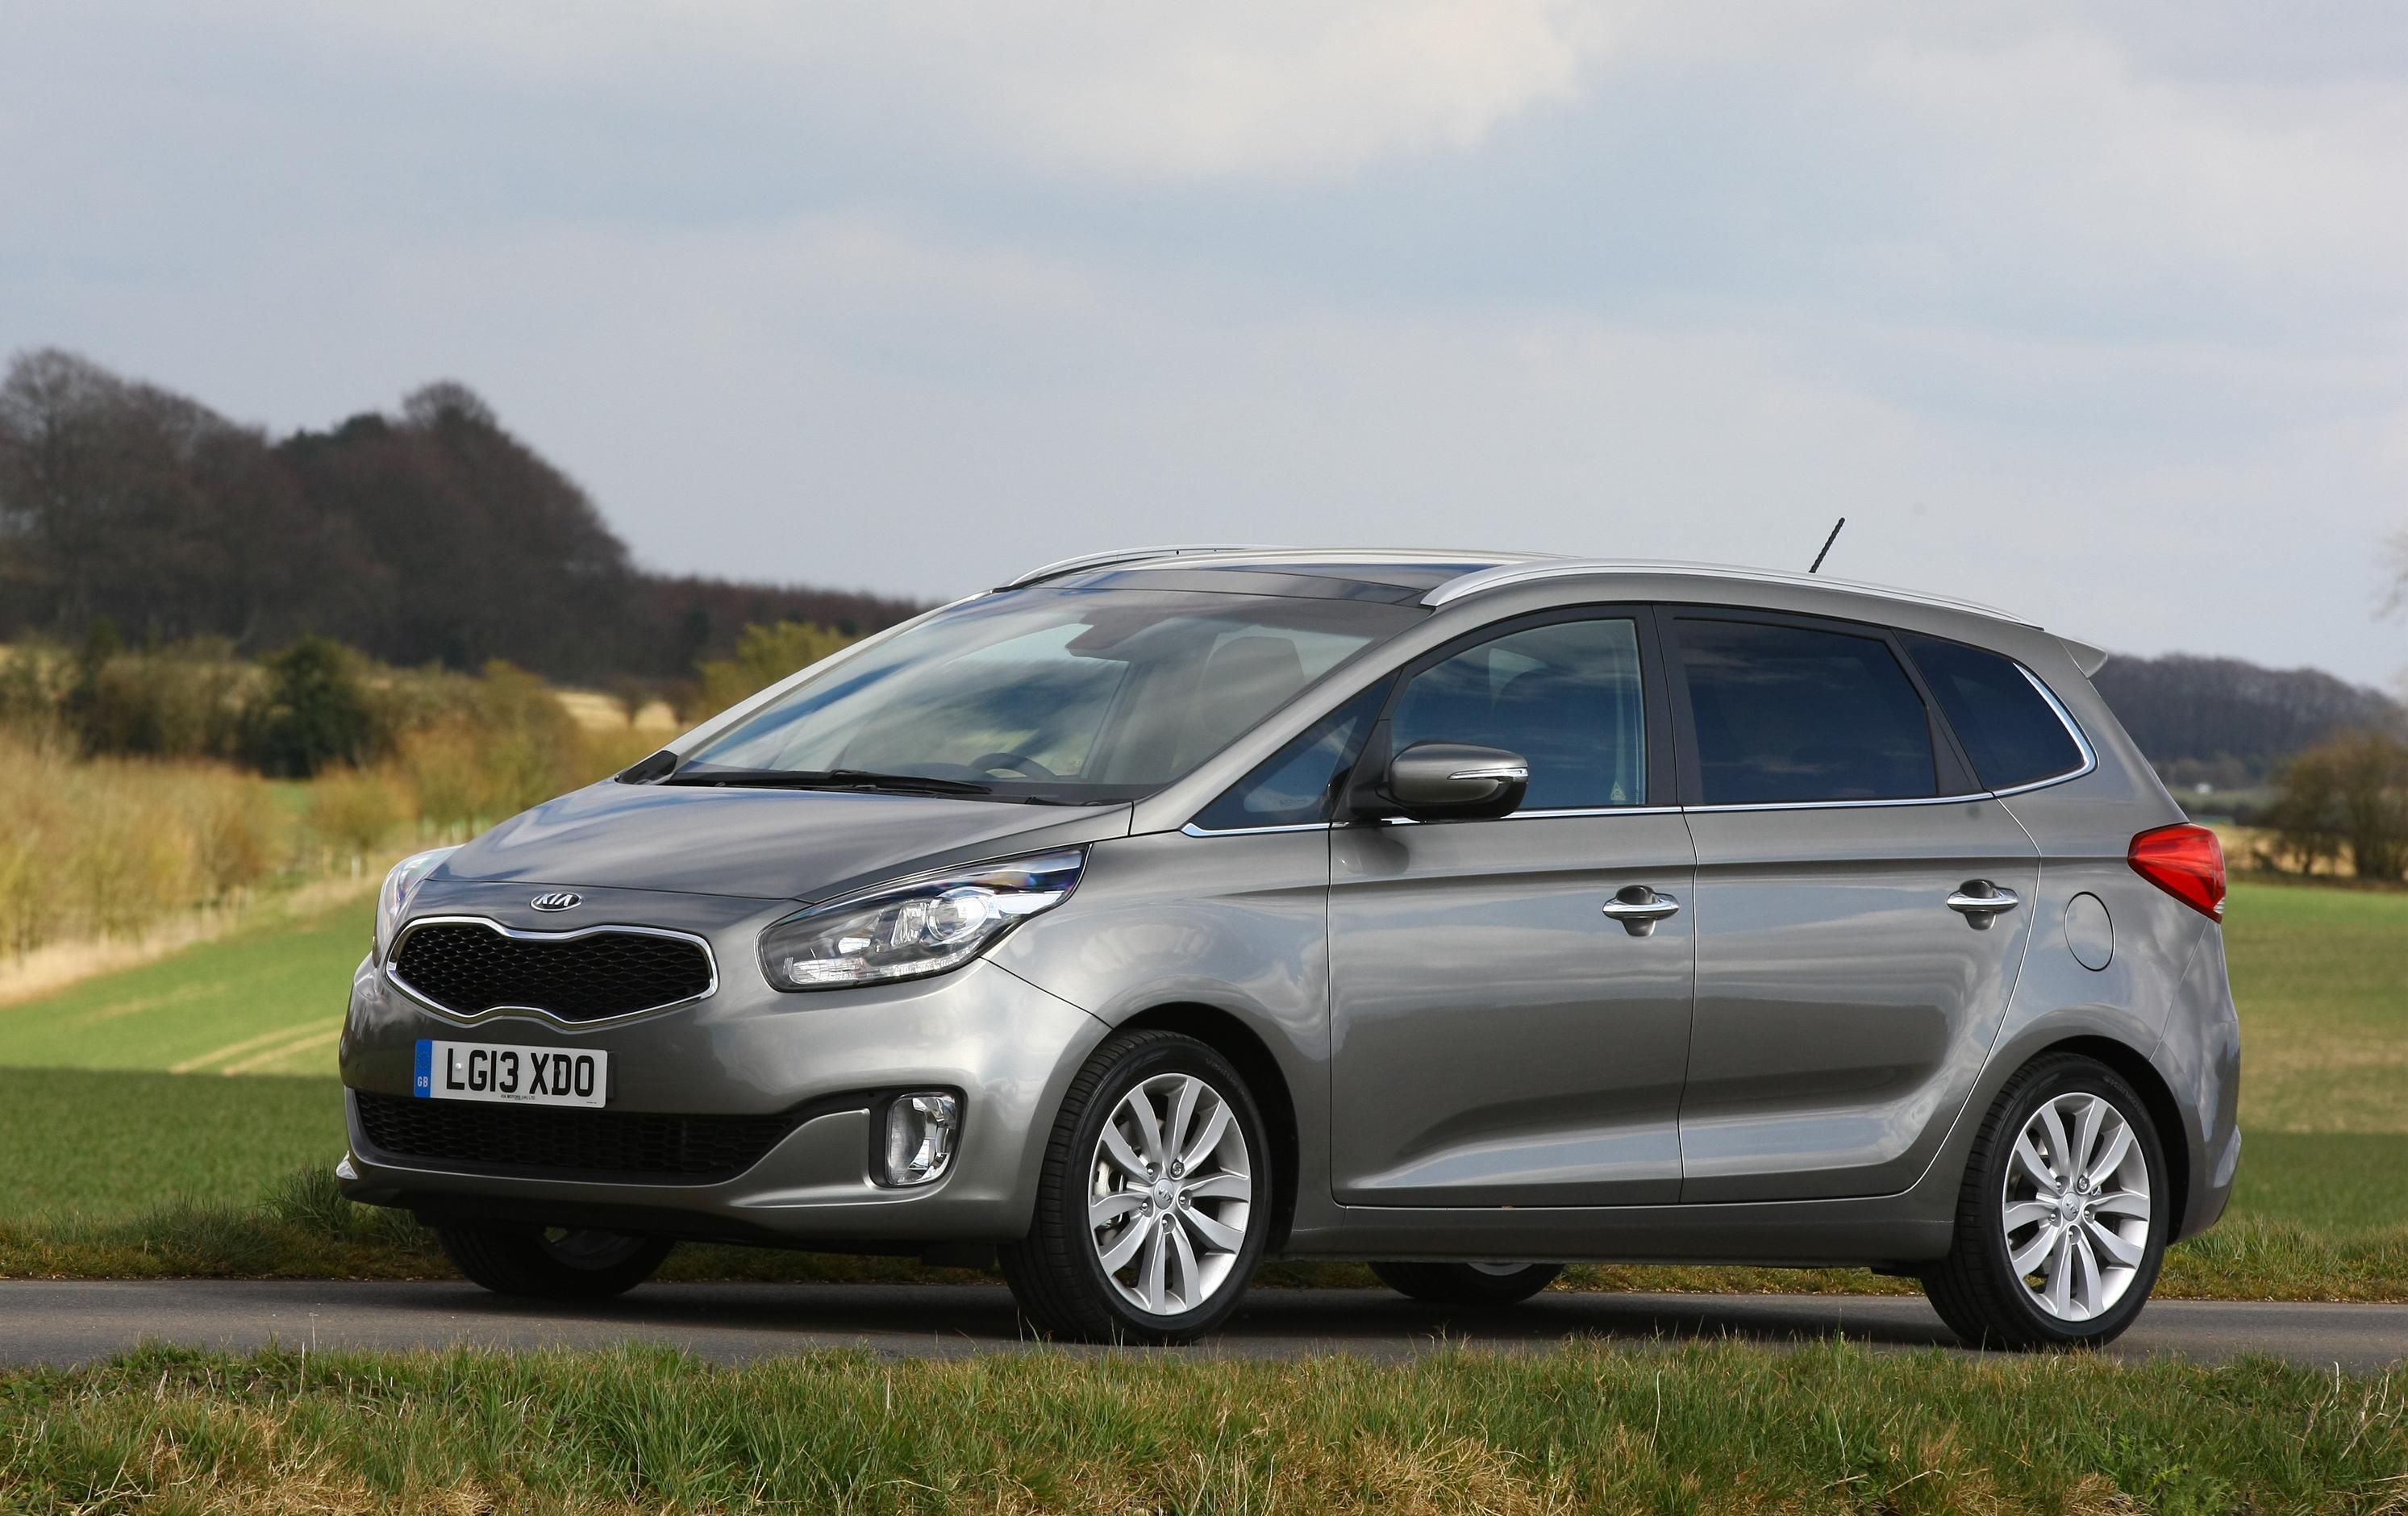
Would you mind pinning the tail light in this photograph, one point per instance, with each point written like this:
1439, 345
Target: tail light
2184, 860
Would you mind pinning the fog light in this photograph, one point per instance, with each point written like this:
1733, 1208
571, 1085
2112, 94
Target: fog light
921, 1130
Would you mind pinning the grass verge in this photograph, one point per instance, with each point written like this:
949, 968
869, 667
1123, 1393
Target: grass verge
1719, 1427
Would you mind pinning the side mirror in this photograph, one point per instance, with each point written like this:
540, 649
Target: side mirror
1455, 780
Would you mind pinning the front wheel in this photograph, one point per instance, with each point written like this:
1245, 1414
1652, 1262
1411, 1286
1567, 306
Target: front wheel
1467, 1284
2061, 1223
553, 1263
1154, 1199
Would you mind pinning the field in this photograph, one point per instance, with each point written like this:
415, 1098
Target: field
265, 1000
180, 1117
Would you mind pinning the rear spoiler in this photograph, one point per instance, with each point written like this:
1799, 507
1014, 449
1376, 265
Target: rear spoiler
2086, 658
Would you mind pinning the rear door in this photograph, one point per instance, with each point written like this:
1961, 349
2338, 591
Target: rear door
1496, 1037
1862, 907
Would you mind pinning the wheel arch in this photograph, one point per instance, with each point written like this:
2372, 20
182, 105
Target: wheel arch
1240, 1043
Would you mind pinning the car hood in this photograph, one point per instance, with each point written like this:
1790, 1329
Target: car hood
765, 844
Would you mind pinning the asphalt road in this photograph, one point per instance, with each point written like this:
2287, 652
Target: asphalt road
74, 1321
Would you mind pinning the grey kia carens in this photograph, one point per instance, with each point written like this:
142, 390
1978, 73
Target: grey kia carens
1159, 912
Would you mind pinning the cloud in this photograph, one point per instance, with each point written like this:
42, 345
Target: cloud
1244, 88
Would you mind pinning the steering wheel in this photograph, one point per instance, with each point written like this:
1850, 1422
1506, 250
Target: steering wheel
1012, 763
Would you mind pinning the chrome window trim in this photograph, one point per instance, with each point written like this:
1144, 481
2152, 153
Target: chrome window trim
1511, 574
2072, 728
1849, 805
711, 960
1191, 829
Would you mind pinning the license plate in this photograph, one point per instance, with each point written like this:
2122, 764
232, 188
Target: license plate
514, 1075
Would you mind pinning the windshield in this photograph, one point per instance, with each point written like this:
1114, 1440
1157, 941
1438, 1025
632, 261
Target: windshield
1077, 696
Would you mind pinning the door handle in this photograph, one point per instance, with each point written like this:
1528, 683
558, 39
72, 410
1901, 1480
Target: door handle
1981, 902
1639, 909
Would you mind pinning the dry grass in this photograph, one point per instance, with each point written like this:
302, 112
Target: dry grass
516, 746
596, 711
108, 848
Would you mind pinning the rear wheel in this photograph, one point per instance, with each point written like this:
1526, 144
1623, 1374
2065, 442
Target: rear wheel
2061, 1223
1467, 1284
1154, 1199
553, 1263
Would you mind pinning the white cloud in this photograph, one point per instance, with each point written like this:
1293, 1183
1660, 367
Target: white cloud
1270, 88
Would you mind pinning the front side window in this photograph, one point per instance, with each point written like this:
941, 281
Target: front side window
2010, 730
1566, 696
1079, 696
1791, 714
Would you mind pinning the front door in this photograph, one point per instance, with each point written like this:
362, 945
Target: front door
1499, 1038
1861, 910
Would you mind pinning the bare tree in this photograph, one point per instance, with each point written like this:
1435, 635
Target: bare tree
2348, 792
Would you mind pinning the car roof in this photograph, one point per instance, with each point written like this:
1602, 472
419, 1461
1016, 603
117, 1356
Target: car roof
1435, 578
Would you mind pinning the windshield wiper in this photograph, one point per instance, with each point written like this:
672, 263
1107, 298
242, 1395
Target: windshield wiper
829, 778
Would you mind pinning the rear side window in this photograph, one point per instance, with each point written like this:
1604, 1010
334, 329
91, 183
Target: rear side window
2009, 728
1566, 695
1791, 714
1297, 785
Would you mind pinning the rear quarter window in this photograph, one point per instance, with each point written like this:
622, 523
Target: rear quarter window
2009, 728
1788, 715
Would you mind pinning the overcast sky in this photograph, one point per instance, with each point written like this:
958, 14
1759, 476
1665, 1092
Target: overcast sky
2098, 312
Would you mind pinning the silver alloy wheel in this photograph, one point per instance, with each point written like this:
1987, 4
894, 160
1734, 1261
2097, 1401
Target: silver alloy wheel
1172, 1190
1495, 1270
2076, 1207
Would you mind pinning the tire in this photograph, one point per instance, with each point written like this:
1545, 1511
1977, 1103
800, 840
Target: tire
2113, 1205
553, 1263
1158, 1267
1490, 1285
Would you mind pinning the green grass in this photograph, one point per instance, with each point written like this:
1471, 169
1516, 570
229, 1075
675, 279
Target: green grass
2321, 978
1706, 1427
2335, 1181
105, 1145
266, 1000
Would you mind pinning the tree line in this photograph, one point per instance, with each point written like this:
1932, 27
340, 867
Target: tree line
429, 535
2228, 724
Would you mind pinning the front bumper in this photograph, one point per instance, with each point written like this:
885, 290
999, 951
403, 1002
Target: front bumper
1007, 1045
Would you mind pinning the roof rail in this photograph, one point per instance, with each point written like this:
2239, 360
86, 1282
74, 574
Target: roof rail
1130, 556
1510, 574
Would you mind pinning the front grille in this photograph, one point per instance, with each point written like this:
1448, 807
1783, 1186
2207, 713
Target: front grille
469, 967
564, 1143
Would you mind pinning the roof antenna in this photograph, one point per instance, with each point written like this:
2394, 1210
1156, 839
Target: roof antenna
1826, 544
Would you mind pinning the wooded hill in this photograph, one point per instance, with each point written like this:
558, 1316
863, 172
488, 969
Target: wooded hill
2227, 722
429, 535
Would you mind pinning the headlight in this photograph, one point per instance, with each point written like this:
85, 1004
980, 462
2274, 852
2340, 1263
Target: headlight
399, 886
915, 927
